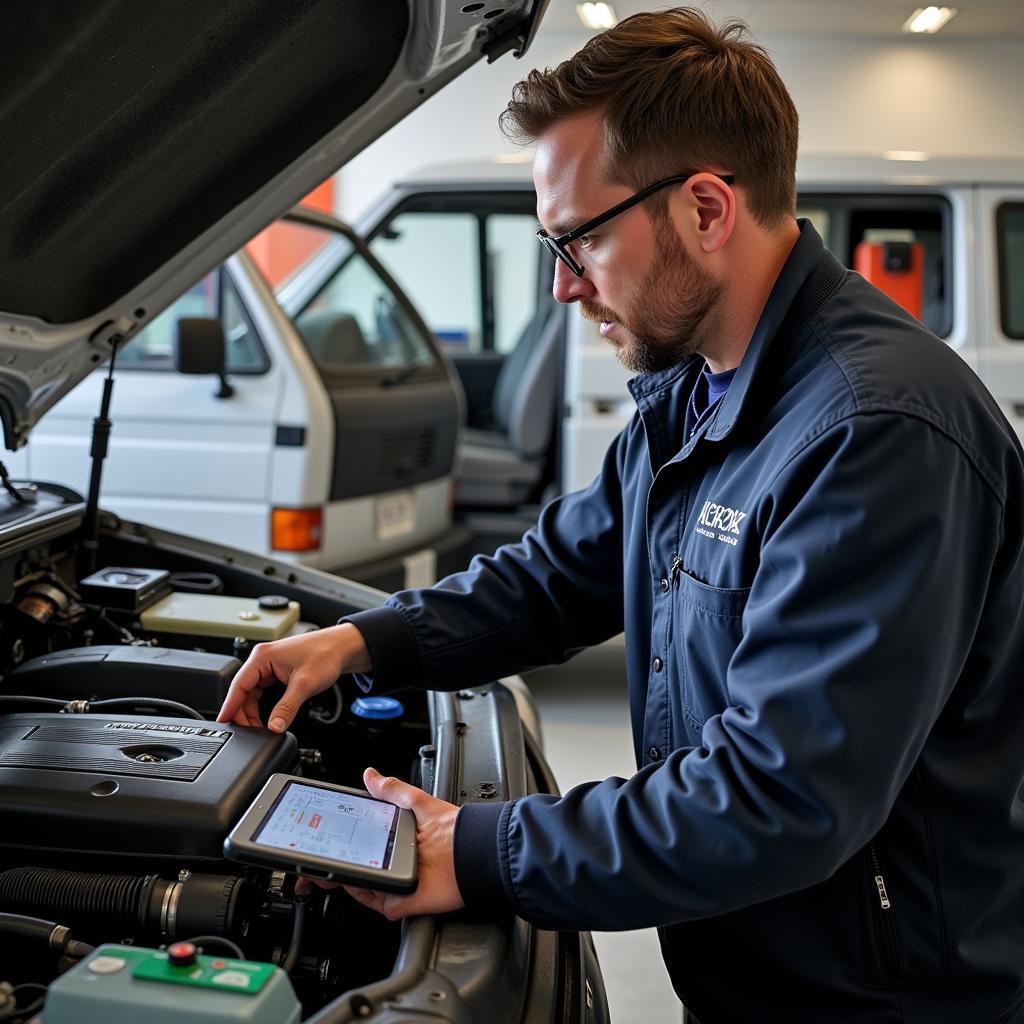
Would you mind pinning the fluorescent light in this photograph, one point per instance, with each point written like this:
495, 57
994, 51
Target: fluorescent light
597, 15
905, 154
928, 19
513, 158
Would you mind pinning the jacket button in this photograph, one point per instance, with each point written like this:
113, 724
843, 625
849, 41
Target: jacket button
664, 585
654, 754
657, 664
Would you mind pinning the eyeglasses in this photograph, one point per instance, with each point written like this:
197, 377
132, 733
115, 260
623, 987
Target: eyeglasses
558, 245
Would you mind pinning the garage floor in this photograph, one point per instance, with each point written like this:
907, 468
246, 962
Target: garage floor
585, 721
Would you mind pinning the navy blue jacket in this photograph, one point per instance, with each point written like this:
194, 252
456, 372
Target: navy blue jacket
822, 599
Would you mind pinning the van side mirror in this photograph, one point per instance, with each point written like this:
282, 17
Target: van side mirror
199, 348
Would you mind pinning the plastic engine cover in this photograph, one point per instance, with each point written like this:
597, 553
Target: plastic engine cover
117, 784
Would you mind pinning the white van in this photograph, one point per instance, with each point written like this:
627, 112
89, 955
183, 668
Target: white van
328, 440
958, 223
345, 413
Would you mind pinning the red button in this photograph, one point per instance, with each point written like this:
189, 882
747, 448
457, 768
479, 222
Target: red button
181, 954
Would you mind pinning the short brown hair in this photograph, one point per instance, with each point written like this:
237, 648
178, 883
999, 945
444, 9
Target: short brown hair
677, 94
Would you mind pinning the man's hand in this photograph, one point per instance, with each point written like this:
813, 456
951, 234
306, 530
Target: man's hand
437, 891
306, 664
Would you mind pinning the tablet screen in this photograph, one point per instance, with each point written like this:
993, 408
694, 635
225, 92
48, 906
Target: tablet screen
329, 824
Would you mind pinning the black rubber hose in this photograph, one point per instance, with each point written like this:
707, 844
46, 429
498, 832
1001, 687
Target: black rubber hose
77, 894
203, 942
158, 704
298, 928
201, 903
46, 701
134, 703
30, 929
34, 929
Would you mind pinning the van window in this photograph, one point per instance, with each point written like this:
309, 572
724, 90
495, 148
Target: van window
354, 319
470, 262
213, 296
901, 243
1010, 242
435, 257
514, 254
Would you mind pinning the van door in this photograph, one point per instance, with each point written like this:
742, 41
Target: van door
395, 411
180, 458
999, 234
470, 263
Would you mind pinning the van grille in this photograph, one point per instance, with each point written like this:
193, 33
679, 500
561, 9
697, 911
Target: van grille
405, 453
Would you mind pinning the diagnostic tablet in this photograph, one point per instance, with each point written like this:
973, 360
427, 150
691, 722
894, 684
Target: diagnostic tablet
327, 831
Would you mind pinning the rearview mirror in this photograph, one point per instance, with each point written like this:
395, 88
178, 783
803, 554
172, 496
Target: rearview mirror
199, 348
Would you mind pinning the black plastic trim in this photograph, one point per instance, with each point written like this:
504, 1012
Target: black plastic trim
1003, 210
286, 436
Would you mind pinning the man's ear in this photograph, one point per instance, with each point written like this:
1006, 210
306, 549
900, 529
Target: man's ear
714, 206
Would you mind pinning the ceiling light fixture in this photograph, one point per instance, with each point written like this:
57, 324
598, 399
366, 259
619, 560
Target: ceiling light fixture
929, 19
597, 15
905, 154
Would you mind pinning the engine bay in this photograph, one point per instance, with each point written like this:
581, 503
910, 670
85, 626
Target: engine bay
118, 787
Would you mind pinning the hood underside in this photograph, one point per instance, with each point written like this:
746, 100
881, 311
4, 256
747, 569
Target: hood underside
147, 141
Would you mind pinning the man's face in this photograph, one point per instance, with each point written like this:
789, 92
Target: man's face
654, 303
667, 317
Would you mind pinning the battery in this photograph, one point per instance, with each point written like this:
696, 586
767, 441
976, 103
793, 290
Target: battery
126, 589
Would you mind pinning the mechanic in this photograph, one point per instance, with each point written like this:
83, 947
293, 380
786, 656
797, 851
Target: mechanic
811, 533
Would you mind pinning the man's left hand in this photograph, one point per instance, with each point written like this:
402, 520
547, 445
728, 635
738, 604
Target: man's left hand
437, 891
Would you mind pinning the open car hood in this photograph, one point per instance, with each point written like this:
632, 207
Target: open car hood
147, 142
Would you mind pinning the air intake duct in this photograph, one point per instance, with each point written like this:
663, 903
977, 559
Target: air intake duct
194, 904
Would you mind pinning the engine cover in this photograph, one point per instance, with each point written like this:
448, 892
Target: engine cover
116, 784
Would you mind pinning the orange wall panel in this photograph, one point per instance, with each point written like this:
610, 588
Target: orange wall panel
281, 248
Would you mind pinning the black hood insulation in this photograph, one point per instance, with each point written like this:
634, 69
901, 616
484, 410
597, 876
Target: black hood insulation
137, 125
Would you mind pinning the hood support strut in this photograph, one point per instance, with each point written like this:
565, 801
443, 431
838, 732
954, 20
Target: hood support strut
98, 452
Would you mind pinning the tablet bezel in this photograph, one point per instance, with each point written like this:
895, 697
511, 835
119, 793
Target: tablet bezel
400, 876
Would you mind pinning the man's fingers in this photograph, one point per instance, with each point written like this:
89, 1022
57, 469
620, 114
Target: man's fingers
242, 702
307, 883
395, 791
368, 897
250, 713
231, 710
298, 691
306, 664
243, 687
282, 715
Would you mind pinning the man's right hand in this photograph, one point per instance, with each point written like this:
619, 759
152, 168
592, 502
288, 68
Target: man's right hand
306, 664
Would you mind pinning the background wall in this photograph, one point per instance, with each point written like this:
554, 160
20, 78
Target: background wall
855, 95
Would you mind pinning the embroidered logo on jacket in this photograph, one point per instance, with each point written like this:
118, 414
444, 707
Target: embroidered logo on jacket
718, 522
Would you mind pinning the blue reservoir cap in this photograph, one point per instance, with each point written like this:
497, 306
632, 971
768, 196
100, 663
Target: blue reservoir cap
377, 707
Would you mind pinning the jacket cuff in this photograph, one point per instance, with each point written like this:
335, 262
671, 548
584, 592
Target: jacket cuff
392, 647
479, 829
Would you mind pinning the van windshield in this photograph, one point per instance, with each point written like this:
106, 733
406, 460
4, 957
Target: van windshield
345, 312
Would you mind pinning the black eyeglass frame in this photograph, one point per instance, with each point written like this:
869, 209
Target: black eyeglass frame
556, 245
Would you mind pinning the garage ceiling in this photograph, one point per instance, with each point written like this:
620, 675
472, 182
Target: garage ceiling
988, 18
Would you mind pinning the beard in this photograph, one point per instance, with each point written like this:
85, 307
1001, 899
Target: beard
669, 315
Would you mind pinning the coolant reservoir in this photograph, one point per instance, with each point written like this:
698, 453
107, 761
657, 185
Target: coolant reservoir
259, 619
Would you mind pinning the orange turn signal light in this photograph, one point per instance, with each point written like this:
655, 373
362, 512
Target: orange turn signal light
295, 529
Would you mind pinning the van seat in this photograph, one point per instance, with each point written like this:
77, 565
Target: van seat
333, 338
503, 467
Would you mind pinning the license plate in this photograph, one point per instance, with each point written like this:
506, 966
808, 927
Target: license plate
420, 569
395, 515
